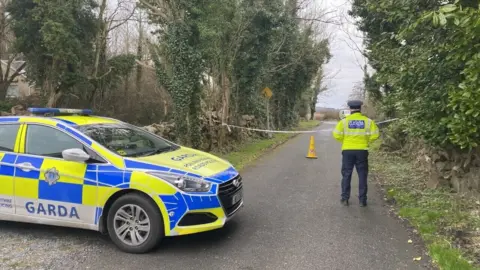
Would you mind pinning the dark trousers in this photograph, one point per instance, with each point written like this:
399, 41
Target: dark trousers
359, 159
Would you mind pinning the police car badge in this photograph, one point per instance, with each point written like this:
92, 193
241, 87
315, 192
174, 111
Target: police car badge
236, 183
51, 176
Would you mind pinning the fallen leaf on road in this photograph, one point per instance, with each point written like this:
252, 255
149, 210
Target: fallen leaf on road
417, 258
410, 241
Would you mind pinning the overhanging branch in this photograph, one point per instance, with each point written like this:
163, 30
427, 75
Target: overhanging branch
319, 20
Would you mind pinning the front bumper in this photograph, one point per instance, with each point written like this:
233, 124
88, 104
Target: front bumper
232, 215
229, 199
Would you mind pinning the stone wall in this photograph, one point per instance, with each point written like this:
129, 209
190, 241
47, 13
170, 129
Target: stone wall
212, 131
460, 171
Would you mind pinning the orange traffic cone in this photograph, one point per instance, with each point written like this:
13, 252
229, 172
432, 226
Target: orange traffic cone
311, 149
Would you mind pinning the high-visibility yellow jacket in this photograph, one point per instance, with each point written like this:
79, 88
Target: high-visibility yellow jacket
356, 132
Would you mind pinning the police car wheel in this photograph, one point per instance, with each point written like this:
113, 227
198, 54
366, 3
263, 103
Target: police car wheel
134, 224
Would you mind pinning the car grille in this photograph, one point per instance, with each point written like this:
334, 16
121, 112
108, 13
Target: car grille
192, 219
226, 192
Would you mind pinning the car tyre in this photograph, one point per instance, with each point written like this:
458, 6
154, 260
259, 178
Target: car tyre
127, 222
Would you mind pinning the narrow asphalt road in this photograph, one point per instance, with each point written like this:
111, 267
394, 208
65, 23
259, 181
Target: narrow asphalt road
292, 219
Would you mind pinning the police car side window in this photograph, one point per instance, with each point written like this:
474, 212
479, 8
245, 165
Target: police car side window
8, 136
49, 142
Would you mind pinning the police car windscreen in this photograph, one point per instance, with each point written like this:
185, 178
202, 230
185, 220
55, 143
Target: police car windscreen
126, 140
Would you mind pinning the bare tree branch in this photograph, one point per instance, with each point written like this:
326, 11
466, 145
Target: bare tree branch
320, 20
156, 11
114, 13
122, 22
144, 65
131, 11
17, 72
330, 77
9, 64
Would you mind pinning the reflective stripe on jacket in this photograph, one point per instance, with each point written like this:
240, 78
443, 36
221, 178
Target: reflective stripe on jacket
356, 132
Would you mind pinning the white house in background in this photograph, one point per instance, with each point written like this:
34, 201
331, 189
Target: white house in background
20, 87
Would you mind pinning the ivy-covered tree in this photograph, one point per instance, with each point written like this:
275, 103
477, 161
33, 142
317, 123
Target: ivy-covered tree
56, 38
245, 46
294, 66
276, 52
9, 72
251, 65
179, 62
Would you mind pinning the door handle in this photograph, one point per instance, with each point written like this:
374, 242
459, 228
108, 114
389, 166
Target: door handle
26, 166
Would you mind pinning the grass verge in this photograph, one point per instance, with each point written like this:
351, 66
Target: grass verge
252, 150
448, 223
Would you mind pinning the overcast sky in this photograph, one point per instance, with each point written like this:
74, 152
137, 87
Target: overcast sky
343, 70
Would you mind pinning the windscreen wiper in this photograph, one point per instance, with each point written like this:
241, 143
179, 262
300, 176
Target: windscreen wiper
162, 150
157, 151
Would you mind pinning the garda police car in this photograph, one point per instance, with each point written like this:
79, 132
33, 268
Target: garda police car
66, 167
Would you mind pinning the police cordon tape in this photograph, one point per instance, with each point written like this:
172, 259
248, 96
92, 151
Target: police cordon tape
387, 121
266, 130
290, 131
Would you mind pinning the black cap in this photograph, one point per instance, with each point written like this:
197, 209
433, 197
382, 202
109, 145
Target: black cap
355, 104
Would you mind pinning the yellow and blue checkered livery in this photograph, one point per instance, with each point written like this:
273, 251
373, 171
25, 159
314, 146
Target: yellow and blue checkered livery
201, 193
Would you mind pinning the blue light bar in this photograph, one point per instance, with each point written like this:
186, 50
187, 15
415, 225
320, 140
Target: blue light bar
60, 111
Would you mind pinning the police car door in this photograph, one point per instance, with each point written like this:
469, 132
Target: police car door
9, 135
46, 185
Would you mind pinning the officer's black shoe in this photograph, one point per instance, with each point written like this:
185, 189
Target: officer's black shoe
363, 204
344, 202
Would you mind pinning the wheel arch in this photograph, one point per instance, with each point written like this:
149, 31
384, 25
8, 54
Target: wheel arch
102, 226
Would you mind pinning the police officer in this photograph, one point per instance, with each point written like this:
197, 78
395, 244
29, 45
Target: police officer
355, 132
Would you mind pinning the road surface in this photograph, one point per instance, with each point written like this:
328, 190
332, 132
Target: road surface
292, 219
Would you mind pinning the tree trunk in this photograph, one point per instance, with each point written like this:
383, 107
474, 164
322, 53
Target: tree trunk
139, 54
100, 37
3, 90
126, 85
91, 95
53, 98
225, 84
100, 44
165, 109
3, 33
313, 110
194, 118
226, 96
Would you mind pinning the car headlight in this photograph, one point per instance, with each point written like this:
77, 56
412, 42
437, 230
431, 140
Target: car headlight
184, 182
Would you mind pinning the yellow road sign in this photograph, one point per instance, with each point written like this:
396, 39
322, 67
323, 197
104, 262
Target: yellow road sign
267, 92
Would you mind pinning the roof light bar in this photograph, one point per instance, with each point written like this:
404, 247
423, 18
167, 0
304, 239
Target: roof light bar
59, 111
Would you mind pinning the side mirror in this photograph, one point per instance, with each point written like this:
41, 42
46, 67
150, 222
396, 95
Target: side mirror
75, 154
